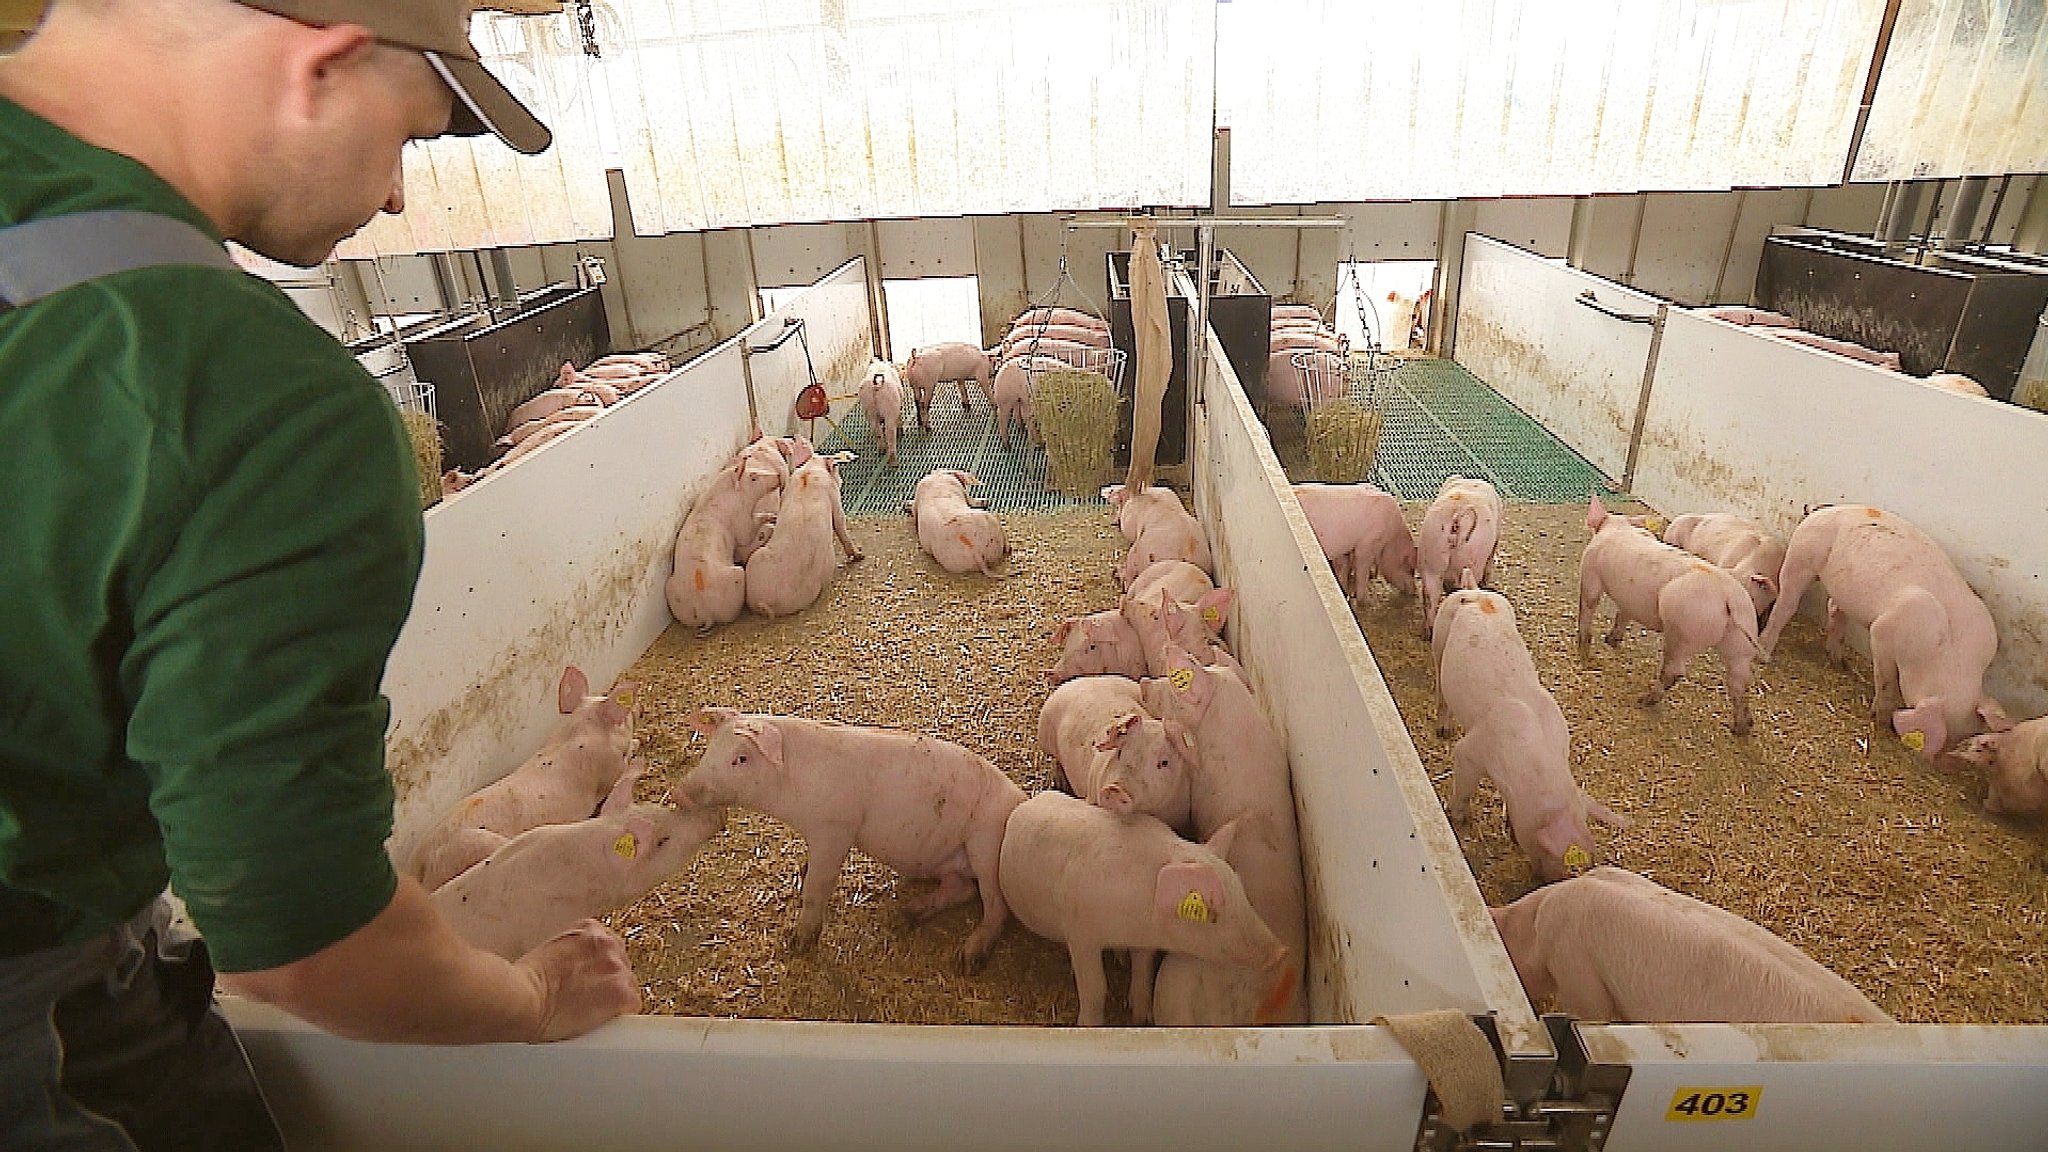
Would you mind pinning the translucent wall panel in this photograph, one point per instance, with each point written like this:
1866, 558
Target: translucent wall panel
478, 193
1375, 99
740, 112
1964, 92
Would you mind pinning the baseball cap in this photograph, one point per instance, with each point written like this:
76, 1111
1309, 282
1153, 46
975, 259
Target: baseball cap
439, 29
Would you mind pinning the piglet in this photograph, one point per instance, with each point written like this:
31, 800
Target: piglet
1160, 622
541, 882
936, 364
1459, 531
2018, 760
958, 532
1013, 394
1931, 638
1057, 315
1110, 752
789, 572
708, 587
1749, 553
1098, 644
1240, 777
566, 779
920, 805
1169, 534
1694, 604
1084, 876
1362, 534
1135, 511
1515, 734
881, 397
1182, 581
1611, 945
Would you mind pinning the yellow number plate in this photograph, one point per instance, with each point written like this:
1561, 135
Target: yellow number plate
1715, 1103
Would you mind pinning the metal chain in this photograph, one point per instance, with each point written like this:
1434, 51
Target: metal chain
586, 23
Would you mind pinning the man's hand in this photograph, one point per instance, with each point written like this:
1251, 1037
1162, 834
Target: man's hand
582, 979
407, 977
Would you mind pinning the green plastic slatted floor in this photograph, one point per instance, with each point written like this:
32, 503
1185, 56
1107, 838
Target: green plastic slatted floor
1012, 479
1442, 421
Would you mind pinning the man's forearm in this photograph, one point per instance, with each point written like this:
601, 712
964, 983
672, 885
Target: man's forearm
405, 977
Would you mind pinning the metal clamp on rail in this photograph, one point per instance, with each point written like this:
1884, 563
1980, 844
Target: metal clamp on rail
1574, 1113
1591, 301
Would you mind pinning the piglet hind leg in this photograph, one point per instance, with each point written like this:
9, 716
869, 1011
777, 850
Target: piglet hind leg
1089, 980
1143, 962
983, 856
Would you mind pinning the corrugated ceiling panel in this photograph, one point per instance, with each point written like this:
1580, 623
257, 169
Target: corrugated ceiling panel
1376, 100
742, 112
1964, 92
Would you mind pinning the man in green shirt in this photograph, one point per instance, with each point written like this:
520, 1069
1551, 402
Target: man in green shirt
208, 544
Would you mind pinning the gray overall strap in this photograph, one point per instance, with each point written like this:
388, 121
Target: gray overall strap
43, 257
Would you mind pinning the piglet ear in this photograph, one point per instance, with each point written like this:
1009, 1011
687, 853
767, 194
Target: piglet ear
708, 721
968, 479
1978, 749
1220, 840
1059, 634
766, 737
636, 838
626, 693
1214, 606
1189, 890
1764, 582
621, 795
1116, 732
573, 688
1114, 798
1922, 728
1596, 513
1992, 713
1467, 581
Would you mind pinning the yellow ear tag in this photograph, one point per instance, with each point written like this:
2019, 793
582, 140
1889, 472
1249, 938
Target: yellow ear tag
1212, 617
1182, 679
1656, 525
626, 846
625, 699
1193, 907
1575, 857
1917, 741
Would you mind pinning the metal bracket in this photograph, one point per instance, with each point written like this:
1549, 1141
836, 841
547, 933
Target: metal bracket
1573, 1112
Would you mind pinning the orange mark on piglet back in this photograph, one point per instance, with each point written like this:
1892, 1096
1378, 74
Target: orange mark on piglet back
1486, 606
697, 578
1872, 513
964, 540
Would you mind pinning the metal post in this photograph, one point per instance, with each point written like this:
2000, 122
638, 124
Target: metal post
1962, 216
1899, 228
1635, 436
506, 288
1198, 334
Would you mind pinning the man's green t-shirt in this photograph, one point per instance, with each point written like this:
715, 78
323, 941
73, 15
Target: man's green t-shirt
209, 537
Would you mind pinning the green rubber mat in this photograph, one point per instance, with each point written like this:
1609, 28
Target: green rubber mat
1012, 479
1442, 421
